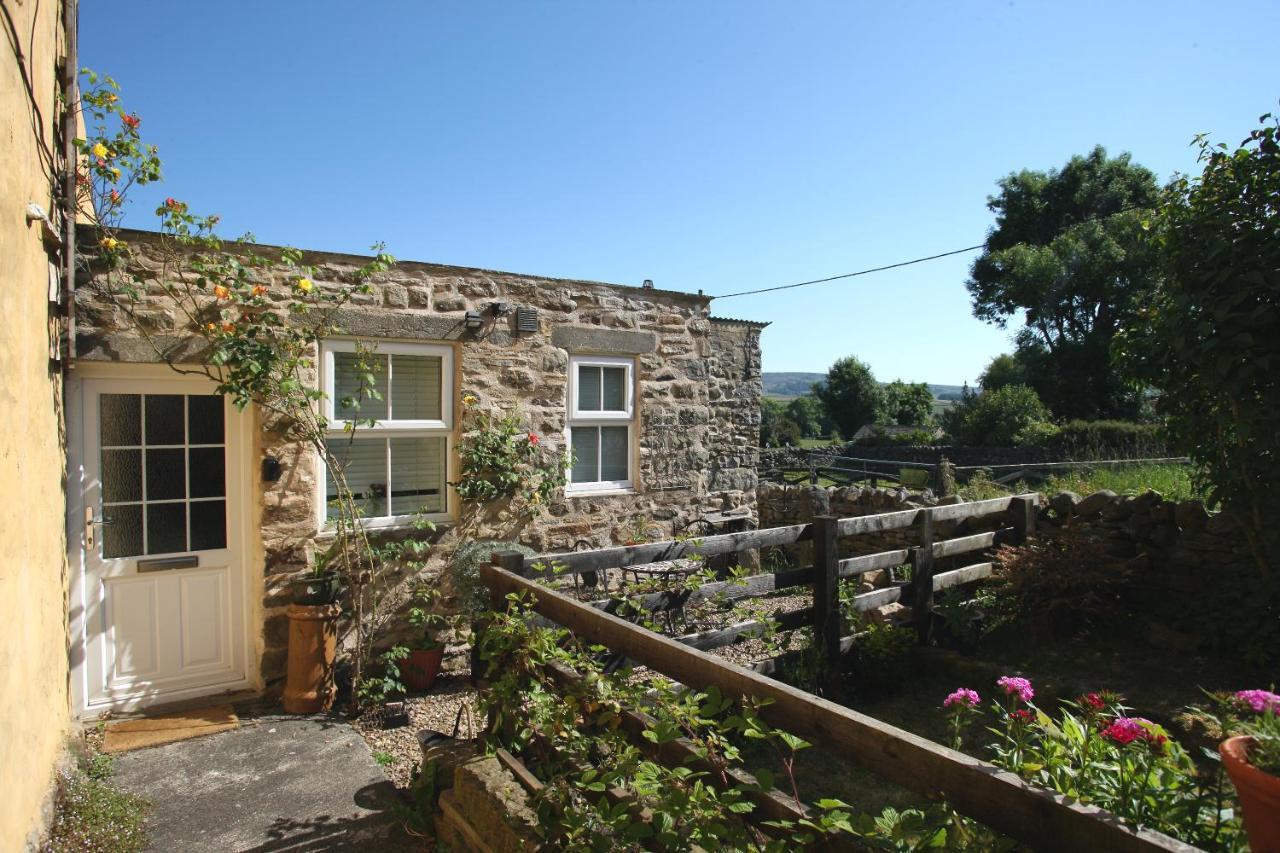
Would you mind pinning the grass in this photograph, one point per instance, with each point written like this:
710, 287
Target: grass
1174, 482
386, 759
93, 816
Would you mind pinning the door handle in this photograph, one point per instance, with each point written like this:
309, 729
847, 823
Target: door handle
89, 524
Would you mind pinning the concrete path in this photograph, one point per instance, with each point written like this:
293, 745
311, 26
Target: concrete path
274, 784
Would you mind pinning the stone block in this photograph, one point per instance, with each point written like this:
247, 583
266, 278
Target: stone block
1093, 504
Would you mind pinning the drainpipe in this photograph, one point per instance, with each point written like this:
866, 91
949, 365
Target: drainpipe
70, 108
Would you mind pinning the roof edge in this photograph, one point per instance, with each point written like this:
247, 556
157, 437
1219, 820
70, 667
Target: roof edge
311, 254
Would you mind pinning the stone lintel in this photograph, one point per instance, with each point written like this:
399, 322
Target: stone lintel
577, 339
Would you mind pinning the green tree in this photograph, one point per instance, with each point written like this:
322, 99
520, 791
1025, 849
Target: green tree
1003, 370
1068, 253
1000, 418
809, 415
1208, 339
905, 404
771, 413
851, 395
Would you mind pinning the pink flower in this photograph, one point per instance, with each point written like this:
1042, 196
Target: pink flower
1093, 701
1258, 701
1126, 730
962, 698
1014, 686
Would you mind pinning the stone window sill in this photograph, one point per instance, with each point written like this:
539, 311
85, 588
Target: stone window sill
598, 493
327, 535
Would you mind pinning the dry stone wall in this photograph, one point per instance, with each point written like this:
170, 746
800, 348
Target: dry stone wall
698, 390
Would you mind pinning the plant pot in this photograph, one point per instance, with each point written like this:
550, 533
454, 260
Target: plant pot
1259, 795
420, 668
313, 589
313, 645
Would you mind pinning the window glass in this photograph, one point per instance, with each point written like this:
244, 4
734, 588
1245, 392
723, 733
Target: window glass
614, 389
407, 471
351, 389
156, 496
417, 475
614, 453
398, 466
600, 422
588, 389
415, 387
586, 454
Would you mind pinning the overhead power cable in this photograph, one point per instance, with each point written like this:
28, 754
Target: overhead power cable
852, 274
1067, 228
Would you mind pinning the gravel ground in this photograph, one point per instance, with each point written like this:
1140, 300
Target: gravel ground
397, 749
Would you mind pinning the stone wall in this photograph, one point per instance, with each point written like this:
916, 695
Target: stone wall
697, 408
734, 390
1178, 539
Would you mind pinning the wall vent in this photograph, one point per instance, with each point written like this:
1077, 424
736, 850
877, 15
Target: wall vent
526, 319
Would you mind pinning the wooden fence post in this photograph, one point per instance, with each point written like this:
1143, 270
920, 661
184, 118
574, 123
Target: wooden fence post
511, 561
1023, 508
826, 592
922, 579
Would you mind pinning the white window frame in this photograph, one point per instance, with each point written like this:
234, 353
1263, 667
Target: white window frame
339, 429
624, 417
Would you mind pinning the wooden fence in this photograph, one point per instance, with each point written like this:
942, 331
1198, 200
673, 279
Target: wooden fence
995, 797
824, 576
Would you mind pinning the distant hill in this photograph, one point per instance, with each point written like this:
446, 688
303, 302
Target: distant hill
790, 384
797, 384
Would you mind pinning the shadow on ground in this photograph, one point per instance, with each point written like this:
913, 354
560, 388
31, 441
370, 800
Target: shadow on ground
274, 784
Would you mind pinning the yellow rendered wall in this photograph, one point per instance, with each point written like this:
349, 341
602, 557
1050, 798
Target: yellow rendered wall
34, 702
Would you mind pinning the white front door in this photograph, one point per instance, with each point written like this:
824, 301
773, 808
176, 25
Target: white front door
161, 588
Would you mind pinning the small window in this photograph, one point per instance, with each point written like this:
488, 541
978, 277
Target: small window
601, 423
395, 458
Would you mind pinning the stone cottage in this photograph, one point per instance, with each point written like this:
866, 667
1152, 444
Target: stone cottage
192, 517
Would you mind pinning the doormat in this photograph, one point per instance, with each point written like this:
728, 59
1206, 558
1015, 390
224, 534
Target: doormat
125, 735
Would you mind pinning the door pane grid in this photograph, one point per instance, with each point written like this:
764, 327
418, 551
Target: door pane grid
160, 519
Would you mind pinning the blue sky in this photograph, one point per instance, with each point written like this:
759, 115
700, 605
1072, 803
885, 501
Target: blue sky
719, 146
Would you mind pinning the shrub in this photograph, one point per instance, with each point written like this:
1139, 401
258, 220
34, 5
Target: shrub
995, 417
1095, 439
1039, 434
879, 437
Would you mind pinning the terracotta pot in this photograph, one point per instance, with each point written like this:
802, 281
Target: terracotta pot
313, 644
1259, 795
420, 668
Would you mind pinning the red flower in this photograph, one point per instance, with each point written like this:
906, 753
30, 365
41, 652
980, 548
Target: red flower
1093, 701
1022, 715
533, 439
131, 120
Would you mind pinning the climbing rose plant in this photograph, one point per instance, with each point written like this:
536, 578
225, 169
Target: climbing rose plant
501, 459
247, 319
